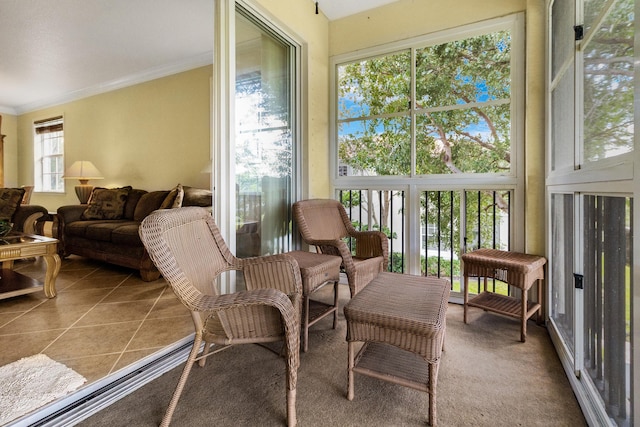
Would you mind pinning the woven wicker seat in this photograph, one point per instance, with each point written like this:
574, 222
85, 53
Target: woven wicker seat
324, 224
187, 247
316, 271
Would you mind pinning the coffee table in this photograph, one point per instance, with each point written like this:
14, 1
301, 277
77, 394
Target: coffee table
402, 321
21, 246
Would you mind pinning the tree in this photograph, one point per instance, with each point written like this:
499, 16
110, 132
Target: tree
608, 82
461, 111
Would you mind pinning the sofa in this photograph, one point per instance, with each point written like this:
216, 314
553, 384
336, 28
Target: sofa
106, 228
25, 218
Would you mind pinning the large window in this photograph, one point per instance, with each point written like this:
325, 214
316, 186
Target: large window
461, 119
49, 155
421, 124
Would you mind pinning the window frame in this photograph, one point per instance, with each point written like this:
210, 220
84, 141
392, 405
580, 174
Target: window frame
515, 24
39, 156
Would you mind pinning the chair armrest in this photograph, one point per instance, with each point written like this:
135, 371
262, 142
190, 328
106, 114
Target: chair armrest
371, 244
273, 271
289, 310
267, 296
70, 213
25, 218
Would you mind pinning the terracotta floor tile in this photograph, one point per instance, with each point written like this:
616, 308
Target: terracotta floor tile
104, 313
93, 368
68, 297
8, 317
98, 313
161, 332
93, 340
136, 293
17, 346
44, 320
22, 303
169, 307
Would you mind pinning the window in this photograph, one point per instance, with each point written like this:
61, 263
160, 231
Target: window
49, 155
461, 119
434, 119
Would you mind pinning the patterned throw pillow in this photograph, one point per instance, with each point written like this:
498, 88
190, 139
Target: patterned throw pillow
174, 198
10, 199
106, 203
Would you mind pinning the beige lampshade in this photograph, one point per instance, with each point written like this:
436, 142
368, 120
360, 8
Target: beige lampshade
82, 170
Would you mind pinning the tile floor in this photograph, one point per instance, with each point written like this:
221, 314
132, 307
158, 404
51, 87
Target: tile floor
103, 318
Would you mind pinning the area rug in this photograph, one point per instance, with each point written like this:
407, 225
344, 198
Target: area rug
32, 382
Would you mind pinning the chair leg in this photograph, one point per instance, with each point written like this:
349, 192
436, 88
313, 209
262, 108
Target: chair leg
292, 380
183, 379
291, 408
203, 356
335, 303
305, 324
350, 387
433, 381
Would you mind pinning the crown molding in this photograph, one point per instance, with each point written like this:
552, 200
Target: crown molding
131, 80
8, 110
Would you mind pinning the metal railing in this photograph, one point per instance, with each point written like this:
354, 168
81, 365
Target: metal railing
450, 223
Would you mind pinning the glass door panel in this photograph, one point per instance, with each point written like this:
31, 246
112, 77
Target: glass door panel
607, 301
608, 83
264, 148
562, 267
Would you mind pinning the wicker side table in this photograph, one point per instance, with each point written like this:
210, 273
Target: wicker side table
402, 321
317, 270
515, 269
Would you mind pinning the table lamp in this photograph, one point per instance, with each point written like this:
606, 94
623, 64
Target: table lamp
83, 170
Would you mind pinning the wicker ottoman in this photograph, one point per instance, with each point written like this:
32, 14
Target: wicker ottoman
402, 320
317, 270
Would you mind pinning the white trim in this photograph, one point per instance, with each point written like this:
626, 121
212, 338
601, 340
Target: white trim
133, 79
585, 398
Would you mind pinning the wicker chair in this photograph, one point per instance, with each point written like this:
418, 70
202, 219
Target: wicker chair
324, 224
187, 247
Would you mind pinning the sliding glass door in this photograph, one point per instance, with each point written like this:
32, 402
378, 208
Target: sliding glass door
591, 191
264, 137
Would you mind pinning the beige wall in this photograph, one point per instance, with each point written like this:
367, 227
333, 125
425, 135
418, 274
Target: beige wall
411, 18
151, 136
300, 18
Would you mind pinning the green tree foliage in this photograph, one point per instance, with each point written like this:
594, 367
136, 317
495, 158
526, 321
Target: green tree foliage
462, 109
608, 81
462, 123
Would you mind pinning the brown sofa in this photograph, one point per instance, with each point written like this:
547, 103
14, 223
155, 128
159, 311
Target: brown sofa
106, 228
24, 217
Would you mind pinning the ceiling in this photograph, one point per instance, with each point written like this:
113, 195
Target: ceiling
55, 51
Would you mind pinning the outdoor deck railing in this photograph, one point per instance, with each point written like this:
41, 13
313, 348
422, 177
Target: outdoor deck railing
449, 222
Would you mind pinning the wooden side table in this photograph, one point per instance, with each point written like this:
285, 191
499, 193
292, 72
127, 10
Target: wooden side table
20, 246
515, 269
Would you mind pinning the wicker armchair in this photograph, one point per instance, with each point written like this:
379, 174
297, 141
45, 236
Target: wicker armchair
324, 224
187, 247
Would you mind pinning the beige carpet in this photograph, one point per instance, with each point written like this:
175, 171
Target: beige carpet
487, 378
